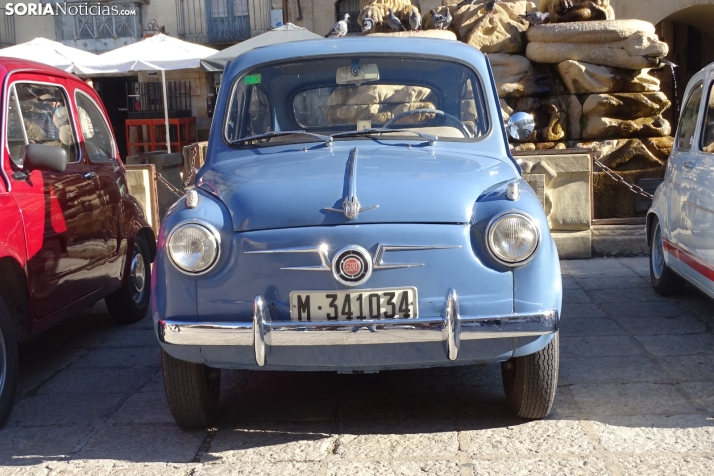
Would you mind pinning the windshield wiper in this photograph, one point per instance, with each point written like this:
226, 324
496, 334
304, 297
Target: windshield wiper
381, 130
268, 135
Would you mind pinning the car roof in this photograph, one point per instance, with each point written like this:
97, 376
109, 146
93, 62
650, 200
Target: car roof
10, 65
446, 49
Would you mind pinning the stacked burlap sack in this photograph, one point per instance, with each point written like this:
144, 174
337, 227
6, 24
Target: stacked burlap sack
608, 102
348, 105
583, 75
614, 105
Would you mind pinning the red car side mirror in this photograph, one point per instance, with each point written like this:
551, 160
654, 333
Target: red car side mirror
45, 157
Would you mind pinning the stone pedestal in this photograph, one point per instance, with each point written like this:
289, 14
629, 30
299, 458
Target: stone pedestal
619, 240
573, 244
567, 184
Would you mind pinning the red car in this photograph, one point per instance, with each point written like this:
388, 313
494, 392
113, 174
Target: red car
70, 233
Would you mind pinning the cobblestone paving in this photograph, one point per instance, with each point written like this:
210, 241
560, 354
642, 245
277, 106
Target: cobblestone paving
636, 396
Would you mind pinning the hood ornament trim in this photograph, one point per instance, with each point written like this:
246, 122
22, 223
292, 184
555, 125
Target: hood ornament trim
351, 206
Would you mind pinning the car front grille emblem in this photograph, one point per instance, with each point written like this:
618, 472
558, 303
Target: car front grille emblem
352, 268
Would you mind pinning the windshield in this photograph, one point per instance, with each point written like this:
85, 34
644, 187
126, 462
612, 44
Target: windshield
329, 96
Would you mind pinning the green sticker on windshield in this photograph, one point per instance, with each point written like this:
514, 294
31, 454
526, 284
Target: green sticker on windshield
252, 79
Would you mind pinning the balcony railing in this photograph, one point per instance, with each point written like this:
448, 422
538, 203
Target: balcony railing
218, 22
72, 28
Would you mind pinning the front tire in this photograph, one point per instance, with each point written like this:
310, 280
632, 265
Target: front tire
530, 382
192, 391
129, 303
664, 281
8, 364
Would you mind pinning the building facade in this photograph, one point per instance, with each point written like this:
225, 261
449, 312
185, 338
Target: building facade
686, 25
105, 25
102, 26
220, 23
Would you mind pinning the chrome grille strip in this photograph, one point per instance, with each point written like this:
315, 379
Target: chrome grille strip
320, 250
378, 263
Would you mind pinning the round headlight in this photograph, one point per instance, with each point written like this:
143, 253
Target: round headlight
513, 238
193, 248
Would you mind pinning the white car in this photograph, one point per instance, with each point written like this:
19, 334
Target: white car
680, 223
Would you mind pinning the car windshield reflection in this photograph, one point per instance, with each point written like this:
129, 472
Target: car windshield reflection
301, 101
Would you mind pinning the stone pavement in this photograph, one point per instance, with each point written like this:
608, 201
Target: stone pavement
636, 396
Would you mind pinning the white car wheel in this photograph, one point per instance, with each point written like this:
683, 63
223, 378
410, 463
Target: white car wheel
664, 281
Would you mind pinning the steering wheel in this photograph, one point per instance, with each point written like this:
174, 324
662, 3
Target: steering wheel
462, 126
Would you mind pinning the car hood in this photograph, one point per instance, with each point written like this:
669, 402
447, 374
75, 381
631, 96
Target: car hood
287, 188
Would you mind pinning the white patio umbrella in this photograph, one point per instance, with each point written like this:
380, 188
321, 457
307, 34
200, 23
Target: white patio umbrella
156, 53
282, 34
51, 53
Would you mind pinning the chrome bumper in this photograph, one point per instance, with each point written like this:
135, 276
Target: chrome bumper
450, 329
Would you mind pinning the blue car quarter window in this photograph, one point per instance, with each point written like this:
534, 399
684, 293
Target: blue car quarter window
688, 121
707, 144
333, 95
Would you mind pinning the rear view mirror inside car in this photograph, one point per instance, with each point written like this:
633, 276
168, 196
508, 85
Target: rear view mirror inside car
358, 75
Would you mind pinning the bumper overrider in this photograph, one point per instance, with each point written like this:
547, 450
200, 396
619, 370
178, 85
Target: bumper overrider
450, 328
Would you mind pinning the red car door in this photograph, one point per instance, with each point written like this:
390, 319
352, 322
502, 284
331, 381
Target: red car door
63, 212
102, 157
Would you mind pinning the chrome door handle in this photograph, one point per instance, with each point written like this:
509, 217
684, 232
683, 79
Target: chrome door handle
90, 175
688, 165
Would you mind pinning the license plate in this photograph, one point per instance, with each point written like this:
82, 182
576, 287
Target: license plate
394, 303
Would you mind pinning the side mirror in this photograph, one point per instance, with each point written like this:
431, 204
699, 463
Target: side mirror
45, 157
520, 126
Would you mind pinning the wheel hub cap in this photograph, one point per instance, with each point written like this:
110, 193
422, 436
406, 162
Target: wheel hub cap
138, 273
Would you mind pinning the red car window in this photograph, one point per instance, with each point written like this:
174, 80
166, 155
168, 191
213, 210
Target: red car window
38, 114
96, 132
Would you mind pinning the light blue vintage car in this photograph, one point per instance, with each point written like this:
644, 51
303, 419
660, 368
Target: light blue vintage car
358, 211
681, 219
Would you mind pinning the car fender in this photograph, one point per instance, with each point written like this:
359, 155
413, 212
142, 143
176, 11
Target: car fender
659, 209
12, 233
537, 285
133, 222
14, 287
175, 293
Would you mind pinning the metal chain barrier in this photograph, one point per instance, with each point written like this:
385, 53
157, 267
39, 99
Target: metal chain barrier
617, 178
170, 186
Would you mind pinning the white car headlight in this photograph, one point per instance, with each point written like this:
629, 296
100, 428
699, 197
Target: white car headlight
193, 248
513, 238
